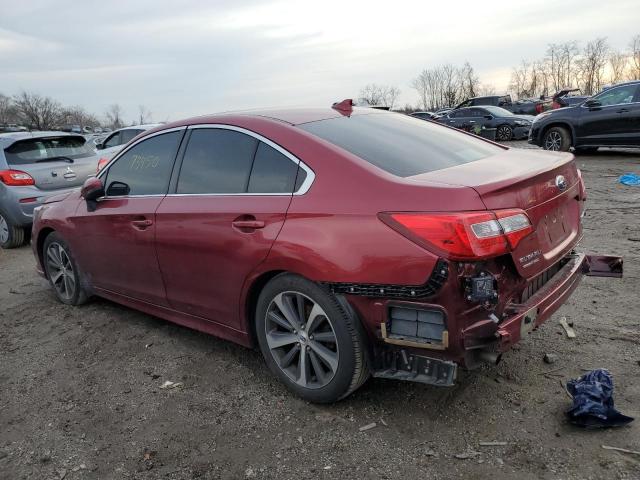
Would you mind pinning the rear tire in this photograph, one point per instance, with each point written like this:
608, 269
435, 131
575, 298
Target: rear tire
557, 139
62, 271
11, 236
309, 341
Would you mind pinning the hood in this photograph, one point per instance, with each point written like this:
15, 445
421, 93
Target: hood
528, 118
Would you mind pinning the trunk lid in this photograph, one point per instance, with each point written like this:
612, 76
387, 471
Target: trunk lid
53, 162
545, 185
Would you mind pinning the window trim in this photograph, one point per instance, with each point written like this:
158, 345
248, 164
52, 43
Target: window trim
105, 169
304, 188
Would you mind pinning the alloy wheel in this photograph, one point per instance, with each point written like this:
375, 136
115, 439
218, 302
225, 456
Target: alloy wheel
301, 339
4, 230
60, 270
504, 133
553, 141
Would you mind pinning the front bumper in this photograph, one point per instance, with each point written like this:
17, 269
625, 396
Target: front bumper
520, 133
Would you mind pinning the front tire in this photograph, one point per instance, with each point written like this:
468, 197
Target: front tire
309, 341
557, 139
62, 271
504, 133
11, 236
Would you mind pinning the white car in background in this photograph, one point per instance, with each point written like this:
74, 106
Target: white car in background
114, 142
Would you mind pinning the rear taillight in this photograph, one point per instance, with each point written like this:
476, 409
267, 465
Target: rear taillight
464, 235
16, 178
101, 164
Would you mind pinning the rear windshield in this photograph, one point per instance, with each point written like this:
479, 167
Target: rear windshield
401, 145
34, 150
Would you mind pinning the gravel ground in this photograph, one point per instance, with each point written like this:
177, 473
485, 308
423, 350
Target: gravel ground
81, 398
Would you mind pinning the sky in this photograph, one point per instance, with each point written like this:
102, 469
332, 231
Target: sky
186, 58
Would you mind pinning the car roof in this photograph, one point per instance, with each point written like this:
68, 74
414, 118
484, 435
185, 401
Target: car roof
145, 126
292, 115
11, 137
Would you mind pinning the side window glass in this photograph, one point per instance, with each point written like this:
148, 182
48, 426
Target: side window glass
272, 172
217, 161
145, 168
616, 96
113, 141
128, 135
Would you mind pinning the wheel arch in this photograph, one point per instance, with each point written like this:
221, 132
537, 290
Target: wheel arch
251, 301
42, 236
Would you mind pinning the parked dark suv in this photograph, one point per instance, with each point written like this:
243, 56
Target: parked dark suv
608, 119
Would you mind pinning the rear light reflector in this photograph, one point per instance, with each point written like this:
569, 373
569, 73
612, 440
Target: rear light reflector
16, 178
101, 164
28, 200
464, 235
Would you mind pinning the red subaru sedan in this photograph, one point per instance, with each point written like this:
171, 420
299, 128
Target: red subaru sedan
343, 242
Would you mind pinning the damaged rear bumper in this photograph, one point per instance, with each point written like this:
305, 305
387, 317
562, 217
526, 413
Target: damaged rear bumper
520, 319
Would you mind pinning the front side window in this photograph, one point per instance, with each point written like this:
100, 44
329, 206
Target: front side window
617, 96
145, 168
462, 113
399, 144
113, 141
127, 135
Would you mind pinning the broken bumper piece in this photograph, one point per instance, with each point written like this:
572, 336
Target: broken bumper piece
521, 319
399, 364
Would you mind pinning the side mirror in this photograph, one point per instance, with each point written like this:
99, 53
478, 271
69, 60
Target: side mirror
592, 103
489, 117
99, 146
92, 189
118, 189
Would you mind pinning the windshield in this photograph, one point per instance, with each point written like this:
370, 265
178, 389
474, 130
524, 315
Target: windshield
400, 144
35, 150
498, 112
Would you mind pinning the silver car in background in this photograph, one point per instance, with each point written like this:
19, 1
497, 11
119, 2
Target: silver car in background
117, 139
33, 167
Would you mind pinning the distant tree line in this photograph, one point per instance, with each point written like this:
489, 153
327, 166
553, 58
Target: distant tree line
44, 113
565, 65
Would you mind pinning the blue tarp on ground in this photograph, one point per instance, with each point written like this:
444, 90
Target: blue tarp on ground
593, 401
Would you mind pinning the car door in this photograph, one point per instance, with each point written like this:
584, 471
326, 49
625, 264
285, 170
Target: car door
613, 120
115, 240
229, 204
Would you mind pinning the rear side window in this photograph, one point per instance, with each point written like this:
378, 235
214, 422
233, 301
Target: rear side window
36, 150
145, 168
272, 172
399, 144
221, 161
217, 161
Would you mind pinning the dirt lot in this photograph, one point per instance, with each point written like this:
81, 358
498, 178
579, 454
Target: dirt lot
80, 394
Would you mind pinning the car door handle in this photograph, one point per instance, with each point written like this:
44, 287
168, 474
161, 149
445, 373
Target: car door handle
142, 224
248, 224
622, 110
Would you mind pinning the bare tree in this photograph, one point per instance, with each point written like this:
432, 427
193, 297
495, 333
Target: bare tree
36, 111
144, 114
470, 82
78, 116
618, 63
561, 64
114, 116
591, 66
383, 95
634, 46
8, 112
